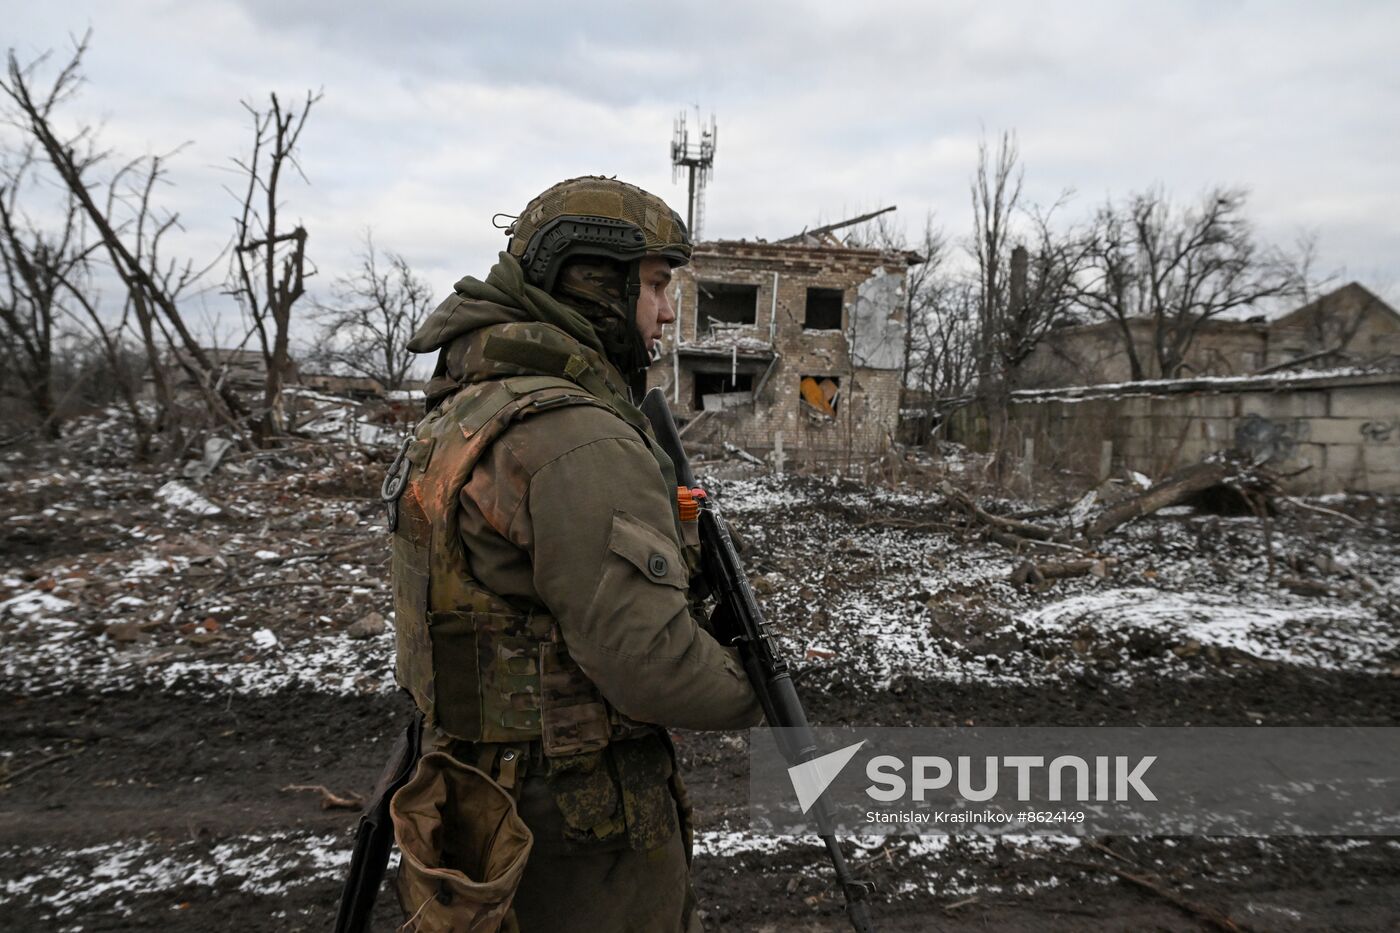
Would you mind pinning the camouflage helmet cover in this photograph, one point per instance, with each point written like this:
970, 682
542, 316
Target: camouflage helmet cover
594, 216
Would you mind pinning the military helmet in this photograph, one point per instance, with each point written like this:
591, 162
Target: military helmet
594, 216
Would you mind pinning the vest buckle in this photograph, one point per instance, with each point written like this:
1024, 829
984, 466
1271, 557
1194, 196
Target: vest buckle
395, 481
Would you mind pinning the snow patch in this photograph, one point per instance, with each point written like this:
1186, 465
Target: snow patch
1287, 630
31, 604
270, 864
179, 496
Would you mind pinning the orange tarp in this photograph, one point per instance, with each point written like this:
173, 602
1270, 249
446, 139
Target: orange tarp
819, 396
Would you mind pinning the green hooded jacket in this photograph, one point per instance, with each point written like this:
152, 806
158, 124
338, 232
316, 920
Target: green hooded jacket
568, 509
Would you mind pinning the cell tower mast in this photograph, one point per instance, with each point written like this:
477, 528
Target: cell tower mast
700, 160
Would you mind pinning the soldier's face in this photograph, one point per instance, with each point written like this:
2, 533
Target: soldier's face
654, 308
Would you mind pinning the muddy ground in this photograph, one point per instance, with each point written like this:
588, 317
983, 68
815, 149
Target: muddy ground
169, 670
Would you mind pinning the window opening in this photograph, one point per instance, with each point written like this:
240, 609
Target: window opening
721, 390
722, 305
823, 309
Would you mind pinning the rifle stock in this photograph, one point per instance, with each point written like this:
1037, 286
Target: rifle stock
374, 835
738, 621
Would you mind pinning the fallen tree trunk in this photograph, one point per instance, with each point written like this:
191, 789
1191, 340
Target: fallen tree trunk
1253, 484
1171, 491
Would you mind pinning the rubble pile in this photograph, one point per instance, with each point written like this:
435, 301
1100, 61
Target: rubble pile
115, 574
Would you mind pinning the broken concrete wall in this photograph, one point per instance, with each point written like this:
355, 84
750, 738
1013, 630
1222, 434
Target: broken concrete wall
774, 351
1341, 431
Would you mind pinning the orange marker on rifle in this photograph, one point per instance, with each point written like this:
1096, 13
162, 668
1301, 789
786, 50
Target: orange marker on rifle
685, 498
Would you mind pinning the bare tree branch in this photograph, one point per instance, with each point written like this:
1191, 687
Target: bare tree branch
131, 248
268, 269
33, 263
1166, 271
376, 309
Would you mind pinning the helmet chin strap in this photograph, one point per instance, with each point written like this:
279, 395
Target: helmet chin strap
638, 356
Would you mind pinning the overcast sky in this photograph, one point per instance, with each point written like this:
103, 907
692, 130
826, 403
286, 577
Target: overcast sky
437, 115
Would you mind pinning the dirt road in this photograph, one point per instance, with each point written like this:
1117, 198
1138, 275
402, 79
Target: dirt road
146, 766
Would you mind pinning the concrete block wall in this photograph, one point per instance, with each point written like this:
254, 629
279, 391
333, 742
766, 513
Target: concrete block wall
1345, 430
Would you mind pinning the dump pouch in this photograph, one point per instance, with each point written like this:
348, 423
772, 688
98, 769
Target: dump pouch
464, 848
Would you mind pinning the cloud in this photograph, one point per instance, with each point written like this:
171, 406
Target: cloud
437, 115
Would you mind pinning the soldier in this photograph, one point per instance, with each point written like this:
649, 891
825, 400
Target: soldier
541, 570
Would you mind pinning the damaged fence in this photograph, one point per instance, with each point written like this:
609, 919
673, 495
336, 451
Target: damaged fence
1322, 432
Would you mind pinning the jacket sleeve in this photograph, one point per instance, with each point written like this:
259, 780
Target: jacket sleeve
607, 564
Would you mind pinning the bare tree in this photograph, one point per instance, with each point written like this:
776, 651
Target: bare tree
1022, 290
377, 308
996, 194
1170, 270
1019, 298
1042, 290
925, 282
947, 338
34, 264
269, 265
943, 332
124, 366
128, 227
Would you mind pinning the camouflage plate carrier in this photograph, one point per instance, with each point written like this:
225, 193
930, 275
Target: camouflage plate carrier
479, 669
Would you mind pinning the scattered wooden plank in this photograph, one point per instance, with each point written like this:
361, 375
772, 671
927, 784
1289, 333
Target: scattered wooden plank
1030, 573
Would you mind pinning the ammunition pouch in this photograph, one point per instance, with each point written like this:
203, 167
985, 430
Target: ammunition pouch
464, 848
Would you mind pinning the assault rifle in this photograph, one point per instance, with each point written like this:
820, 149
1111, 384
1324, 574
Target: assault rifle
738, 621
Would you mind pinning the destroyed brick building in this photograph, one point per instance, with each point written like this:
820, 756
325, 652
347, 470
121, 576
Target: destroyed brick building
241, 369
789, 350
1346, 327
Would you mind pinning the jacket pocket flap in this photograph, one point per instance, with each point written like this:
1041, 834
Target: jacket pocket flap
650, 551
